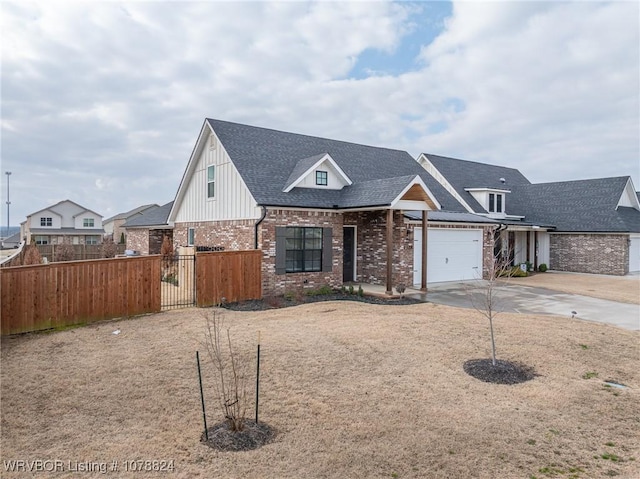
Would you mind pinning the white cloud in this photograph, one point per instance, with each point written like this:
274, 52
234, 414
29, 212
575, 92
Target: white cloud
118, 91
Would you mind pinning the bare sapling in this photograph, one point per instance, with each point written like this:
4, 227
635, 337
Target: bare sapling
487, 301
231, 371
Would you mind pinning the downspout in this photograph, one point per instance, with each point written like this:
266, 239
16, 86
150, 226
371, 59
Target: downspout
255, 227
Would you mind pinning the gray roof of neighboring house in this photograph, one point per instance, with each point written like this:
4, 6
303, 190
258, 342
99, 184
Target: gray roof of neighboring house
266, 160
575, 206
130, 213
463, 174
451, 217
157, 216
14, 238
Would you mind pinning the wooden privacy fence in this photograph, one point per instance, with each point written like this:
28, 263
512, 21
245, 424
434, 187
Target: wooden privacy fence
47, 296
232, 275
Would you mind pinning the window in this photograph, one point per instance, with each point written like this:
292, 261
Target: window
46, 222
303, 249
191, 236
42, 240
88, 222
495, 203
321, 178
211, 181
91, 239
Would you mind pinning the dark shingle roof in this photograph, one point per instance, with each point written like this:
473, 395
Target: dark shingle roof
130, 213
581, 205
157, 216
266, 159
463, 174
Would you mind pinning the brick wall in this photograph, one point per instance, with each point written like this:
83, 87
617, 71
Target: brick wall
276, 284
372, 250
589, 253
138, 240
232, 235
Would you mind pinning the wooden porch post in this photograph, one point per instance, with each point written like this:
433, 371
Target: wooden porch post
389, 251
423, 286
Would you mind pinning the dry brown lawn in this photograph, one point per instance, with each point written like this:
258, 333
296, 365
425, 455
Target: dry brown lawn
354, 391
625, 289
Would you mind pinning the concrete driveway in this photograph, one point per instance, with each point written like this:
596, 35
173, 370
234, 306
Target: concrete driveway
535, 300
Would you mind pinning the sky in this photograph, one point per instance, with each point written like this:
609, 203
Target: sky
102, 102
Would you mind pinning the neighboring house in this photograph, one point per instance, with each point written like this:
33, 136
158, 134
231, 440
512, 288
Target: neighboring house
113, 225
322, 211
596, 223
65, 220
146, 231
12, 241
590, 226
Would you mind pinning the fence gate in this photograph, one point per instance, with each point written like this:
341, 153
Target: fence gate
178, 281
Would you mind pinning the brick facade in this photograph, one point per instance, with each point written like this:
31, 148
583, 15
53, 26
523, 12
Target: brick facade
590, 253
371, 264
232, 235
276, 284
138, 240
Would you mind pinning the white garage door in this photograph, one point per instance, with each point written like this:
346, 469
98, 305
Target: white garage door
634, 254
453, 255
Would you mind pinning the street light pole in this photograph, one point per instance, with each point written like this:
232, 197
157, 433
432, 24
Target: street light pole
8, 173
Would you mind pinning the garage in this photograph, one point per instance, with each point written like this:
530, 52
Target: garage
453, 254
634, 254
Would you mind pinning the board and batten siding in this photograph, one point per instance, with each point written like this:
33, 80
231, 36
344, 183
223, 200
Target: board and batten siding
232, 201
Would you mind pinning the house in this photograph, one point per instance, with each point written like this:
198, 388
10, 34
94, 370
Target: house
590, 226
596, 223
145, 231
12, 241
65, 220
322, 211
113, 225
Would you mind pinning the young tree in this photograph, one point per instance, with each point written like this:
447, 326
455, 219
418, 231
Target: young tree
109, 248
487, 301
32, 255
230, 384
65, 251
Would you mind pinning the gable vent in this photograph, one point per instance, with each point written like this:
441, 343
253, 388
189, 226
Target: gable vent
212, 142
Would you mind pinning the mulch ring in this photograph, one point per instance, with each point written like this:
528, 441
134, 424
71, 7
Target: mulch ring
282, 302
251, 437
504, 372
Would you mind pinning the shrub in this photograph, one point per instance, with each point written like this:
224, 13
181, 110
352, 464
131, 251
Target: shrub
64, 252
109, 248
360, 291
32, 255
350, 289
542, 268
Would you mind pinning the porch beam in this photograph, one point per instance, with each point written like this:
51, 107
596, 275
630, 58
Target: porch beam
423, 286
389, 290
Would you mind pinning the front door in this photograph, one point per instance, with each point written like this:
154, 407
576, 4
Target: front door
348, 253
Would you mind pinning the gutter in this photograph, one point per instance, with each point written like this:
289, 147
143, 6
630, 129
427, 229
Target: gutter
255, 227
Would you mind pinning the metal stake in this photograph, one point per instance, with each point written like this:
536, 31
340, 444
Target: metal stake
258, 378
204, 416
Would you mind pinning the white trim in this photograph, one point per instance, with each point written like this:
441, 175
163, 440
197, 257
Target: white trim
416, 181
491, 190
630, 193
440, 178
327, 158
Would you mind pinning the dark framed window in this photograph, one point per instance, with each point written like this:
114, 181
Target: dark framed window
498, 203
303, 249
211, 181
46, 222
88, 222
191, 236
42, 240
321, 178
492, 202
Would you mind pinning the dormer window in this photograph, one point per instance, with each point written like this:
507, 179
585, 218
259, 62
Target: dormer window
496, 201
321, 178
46, 222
